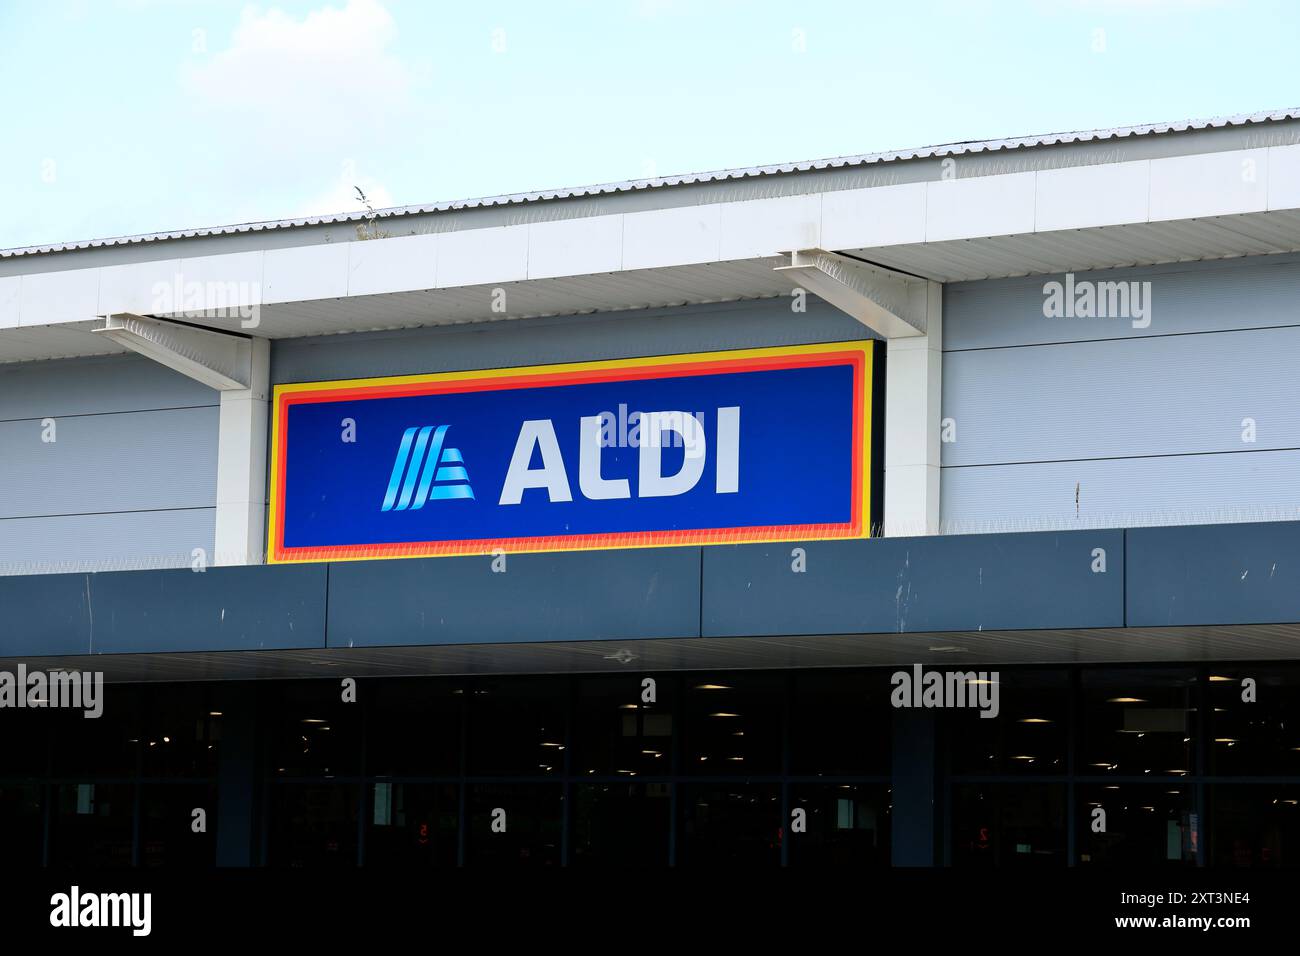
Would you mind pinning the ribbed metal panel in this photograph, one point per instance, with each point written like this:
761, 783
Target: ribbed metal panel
1122, 492
105, 542
1157, 395
95, 386
135, 461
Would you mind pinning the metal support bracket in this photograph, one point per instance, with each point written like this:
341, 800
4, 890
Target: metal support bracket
891, 304
218, 360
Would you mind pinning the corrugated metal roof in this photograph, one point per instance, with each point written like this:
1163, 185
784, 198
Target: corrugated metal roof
839, 162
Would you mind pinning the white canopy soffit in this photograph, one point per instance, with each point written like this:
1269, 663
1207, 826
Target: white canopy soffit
1064, 206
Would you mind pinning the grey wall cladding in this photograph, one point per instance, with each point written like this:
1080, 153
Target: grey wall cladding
507, 344
1065, 423
130, 480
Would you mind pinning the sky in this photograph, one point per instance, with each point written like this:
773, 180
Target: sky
131, 116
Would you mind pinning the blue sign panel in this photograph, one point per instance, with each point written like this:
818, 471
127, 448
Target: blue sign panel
724, 447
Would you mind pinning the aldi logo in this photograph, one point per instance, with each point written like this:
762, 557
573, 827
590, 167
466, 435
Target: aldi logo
571, 457
441, 471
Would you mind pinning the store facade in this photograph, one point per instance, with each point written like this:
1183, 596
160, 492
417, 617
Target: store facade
627, 526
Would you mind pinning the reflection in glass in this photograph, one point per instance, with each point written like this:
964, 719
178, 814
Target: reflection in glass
514, 824
730, 825
313, 825
412, 824
167, 834
733, 725
1138, 721
1136, 825
1255, 825
840, 723
93, 825
1020, 825
617, 732
1255, 718
621, 824
847, 825
1028, 736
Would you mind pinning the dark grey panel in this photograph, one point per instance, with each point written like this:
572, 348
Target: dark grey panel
88, 386
575, 596
1171, 395
44, 615
909, 585
244, 608
107, 542
135, 461
1255, 292
1121, 492
1220, 574
734, 325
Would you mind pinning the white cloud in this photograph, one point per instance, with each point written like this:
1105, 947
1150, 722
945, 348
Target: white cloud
330, 69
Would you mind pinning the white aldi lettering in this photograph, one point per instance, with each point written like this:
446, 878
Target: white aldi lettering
651, 481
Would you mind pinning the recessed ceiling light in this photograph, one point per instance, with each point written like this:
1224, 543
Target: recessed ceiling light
1126, 700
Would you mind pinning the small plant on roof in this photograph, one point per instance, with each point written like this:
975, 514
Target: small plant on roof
367, 230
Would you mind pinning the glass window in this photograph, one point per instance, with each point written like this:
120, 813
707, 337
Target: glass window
167, 825
1254, 825
729, 824
839, 723
1136, 825
846, 825
94, 825
412, 824
315, 733
732, 724
413, 727
107, 745
1030, 733
621, 824
24, 741
180, 732
516, 727
1138, 722
514, 824
1255, 718
616, 732
1012, 824
22, 829
313, 824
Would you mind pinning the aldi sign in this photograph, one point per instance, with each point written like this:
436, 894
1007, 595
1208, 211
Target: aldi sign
708, 448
